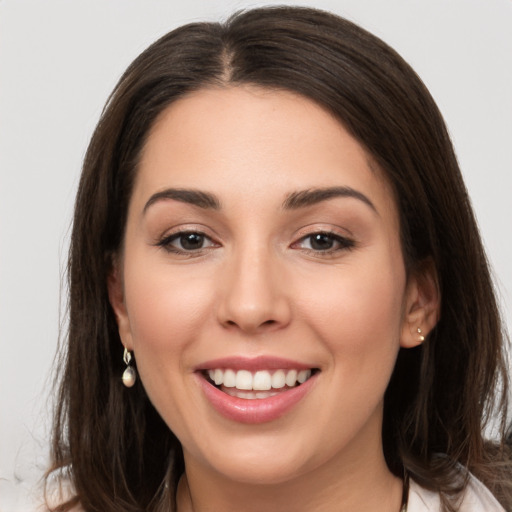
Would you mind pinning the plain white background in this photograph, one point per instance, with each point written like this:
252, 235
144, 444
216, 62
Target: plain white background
58, 62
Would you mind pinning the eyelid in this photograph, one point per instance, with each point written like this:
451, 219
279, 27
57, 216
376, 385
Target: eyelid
179, 234
185, 227
346, 243
323, 227
165, 240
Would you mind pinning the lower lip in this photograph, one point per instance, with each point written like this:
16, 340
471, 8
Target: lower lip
259, 410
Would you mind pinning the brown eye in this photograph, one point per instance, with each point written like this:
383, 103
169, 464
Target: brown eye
187, 241
321, 242
190, 241
325, 242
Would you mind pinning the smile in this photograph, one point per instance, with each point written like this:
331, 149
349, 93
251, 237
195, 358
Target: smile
257, 385
257, 390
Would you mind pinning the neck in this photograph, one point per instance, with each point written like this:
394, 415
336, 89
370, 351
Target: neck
337, 486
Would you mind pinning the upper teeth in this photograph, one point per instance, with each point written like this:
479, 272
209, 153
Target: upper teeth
261, 380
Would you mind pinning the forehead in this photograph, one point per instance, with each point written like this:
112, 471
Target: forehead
255, 143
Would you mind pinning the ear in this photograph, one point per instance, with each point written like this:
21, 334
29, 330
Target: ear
421, 306
116, 297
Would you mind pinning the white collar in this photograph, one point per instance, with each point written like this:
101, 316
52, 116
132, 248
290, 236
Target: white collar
476, 498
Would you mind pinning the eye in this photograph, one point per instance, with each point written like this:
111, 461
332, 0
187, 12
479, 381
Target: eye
186, 242
324, 242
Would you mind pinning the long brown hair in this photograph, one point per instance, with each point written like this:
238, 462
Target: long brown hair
109, 440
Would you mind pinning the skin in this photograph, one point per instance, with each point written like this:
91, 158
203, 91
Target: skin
259, 287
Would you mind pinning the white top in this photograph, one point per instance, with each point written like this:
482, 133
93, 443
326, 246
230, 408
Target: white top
476, 498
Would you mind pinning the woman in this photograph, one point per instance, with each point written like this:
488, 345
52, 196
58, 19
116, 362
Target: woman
273, 246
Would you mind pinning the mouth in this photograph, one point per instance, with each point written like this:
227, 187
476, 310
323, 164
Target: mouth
257, 385
255, 390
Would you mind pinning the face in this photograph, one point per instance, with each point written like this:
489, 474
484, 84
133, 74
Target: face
261, 285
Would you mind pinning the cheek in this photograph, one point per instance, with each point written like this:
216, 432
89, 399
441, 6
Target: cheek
376, 308
166, 311
358, 317
359, 304
353, 313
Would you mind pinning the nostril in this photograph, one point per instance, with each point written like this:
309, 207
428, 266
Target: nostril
266, 323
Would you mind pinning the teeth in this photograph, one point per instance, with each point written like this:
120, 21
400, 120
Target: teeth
291, 378
243, 380
229, 379
218, 376
262, 380
278, 379
250, 395
303, 375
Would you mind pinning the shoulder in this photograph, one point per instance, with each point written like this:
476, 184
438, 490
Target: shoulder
476, 498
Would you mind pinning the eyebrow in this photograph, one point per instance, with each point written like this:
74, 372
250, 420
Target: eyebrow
198, 198
313, 196
293, 201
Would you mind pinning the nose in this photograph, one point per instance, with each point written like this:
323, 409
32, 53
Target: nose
254, 294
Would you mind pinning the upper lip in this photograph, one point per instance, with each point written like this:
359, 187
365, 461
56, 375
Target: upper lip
253, 363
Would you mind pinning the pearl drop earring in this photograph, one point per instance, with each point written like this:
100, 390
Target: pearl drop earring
129, 374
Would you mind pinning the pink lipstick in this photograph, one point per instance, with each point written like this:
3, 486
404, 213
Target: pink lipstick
255, 390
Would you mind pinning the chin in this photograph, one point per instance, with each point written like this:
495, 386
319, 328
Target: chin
255, 471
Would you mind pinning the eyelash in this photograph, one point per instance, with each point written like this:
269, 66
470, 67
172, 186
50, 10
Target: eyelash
166, 243
340, 243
